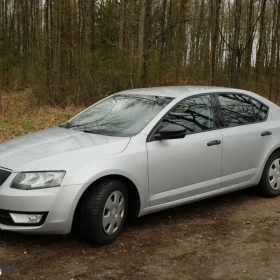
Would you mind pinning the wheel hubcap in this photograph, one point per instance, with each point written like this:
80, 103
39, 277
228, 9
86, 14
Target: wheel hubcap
113, 212
274, 174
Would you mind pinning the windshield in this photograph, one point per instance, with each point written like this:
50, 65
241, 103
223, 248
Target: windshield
119, 115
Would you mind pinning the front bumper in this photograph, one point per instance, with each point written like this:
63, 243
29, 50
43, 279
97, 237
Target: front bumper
58, 204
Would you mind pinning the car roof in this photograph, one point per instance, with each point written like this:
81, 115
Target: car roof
178, 91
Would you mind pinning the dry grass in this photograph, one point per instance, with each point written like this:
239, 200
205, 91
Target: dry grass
20, 114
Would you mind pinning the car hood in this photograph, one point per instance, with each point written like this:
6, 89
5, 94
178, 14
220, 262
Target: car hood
57, 148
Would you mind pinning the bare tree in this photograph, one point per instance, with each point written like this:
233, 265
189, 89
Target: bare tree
64, 45
249, 38
122, 25
260, 53
145, 13
215, 37
82, 50
235, 47
275, 37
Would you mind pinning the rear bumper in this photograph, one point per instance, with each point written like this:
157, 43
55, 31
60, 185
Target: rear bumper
58, 204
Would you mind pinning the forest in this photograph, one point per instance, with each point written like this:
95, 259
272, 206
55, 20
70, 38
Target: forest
78, 51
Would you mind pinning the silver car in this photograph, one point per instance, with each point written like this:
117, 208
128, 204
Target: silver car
138, 152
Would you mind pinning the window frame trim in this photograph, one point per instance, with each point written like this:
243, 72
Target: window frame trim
216, 117
221, 117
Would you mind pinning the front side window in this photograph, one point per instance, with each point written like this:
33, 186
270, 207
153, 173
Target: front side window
194, 113
260, 110
119, 115
236, 109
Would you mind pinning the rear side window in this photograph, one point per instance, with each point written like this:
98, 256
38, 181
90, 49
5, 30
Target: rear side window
194, 113
237, 109
260, 110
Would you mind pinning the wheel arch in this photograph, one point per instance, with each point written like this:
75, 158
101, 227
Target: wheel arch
134, 201
272, 151
275, 150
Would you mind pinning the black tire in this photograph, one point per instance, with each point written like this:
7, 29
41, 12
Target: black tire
92, 209
264, 184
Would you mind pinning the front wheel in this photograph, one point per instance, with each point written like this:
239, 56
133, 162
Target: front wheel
103, 212
270, 181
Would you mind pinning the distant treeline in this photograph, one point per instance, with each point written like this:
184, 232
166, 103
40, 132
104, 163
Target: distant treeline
81, 50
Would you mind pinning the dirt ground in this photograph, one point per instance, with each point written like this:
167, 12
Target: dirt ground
236, 236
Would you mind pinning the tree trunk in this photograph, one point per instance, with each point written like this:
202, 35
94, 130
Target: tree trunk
277, 83
163, 38
169, 41
215, 37
275, 37
249, 40
122, 25
181, 41
260, 52
235, 47
25, 39
198, 52
64, 46
47, 48
144, 42
207, 45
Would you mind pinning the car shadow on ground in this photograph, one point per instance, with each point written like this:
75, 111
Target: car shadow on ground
202, 209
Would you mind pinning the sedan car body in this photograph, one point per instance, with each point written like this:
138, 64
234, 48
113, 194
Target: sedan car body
138, 152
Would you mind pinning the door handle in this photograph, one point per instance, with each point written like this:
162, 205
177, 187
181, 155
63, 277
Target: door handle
214, 142
266, 133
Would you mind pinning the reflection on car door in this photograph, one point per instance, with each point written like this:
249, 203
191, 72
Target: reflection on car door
244, 147
179, 168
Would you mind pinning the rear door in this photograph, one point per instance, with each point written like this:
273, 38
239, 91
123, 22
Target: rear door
246, 137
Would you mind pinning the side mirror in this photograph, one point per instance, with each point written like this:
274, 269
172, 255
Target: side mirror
172, 131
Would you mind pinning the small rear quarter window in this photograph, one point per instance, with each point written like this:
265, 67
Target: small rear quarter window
260, 110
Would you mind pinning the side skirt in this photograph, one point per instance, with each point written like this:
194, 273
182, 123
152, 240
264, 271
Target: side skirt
195, 198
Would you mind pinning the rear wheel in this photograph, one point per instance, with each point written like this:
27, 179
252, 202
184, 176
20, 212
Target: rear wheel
103, 212
270, 181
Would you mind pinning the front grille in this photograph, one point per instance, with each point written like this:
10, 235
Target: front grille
4, 176
5, 218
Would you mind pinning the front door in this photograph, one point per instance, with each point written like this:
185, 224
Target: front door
180, 168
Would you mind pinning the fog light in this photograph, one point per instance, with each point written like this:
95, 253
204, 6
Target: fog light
26, 218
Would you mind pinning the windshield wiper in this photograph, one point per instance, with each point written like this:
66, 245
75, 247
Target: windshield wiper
65, 125
98, 132
89, 131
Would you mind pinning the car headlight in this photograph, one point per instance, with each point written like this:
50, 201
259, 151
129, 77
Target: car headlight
38, 180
